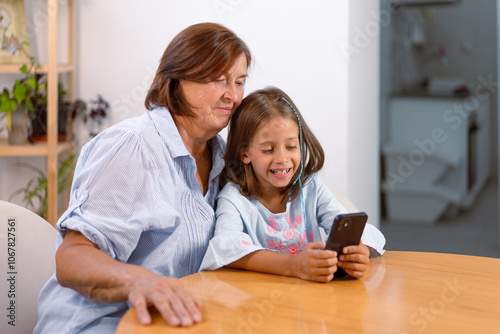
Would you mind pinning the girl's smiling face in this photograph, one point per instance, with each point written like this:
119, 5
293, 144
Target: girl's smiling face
274, 154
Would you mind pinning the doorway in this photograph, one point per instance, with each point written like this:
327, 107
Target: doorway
427, 52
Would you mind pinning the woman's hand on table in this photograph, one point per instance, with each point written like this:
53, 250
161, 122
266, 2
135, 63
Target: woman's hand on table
176, 305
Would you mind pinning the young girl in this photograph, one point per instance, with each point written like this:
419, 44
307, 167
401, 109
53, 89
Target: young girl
270, 211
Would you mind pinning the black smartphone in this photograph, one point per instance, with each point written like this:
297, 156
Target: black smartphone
346, 231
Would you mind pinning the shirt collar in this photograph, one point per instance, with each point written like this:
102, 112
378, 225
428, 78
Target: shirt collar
218, 148
168, 132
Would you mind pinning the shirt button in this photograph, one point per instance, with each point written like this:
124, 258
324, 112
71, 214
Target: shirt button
82, 199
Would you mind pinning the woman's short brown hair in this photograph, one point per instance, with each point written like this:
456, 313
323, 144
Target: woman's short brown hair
256, 109
200, 53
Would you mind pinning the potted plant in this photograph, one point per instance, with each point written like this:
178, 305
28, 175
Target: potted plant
35, 191
29, 97
18, 102
39, 116
67, 112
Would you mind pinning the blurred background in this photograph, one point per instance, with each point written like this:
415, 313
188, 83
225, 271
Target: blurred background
439, 127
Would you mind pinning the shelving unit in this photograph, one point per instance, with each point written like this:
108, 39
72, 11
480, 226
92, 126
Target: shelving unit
52, 148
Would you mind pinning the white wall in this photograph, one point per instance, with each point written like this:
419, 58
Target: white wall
363, 107
298, 46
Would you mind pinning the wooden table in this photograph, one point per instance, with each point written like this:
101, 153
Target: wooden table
403, 292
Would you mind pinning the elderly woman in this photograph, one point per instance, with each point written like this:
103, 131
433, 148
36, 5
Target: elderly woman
141, 210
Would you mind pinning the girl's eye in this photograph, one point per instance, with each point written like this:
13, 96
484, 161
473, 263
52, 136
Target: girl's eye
292, 147
267, 151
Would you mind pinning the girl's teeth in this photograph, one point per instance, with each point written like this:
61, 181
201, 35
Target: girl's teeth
281, 172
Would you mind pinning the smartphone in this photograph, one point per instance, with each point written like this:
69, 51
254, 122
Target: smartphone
346, 231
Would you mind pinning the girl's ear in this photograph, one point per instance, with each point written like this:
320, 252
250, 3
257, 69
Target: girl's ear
244, 156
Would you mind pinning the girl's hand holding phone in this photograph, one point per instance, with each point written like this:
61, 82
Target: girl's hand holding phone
314, 263
355, 260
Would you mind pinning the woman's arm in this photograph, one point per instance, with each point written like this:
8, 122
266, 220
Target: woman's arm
313, 263
81, 266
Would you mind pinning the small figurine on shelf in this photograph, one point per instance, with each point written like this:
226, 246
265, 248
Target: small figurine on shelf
92, 117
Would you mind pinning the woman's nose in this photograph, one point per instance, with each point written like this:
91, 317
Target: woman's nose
231, 93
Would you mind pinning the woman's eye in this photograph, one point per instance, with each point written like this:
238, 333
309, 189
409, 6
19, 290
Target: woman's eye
292, 147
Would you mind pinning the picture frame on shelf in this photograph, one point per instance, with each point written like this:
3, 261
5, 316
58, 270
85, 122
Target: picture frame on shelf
13, 32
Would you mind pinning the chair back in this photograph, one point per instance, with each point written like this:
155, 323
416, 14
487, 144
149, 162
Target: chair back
345, 201
27, 260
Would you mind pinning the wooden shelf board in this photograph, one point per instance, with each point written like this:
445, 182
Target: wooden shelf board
36, 149
14, 68
61, 68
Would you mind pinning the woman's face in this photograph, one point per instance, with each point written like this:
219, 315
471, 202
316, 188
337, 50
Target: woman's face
214, 102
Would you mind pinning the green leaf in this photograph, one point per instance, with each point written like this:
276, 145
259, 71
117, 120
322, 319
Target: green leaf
4, 103
29, 105
24, 69
31, 82
19, 91
7, 104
